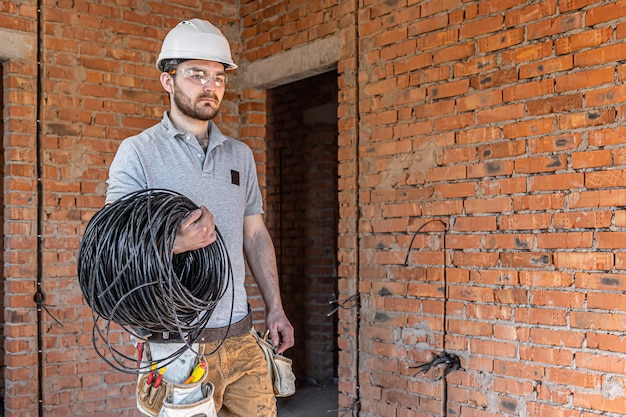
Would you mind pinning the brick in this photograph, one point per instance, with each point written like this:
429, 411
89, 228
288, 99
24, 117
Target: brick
483, 134
493, 348
556, 337
553, 201
601, 198
530, 13
482, 329
583, 260
555, 104
433, 7
560, 24
501, 113
605, 96
569, 5
545, 279
529, 53
584, 79
581, 219
474, 28
606, 342
515, 369
475, 66
591, 159
604, 179
490, 168
528, 90
547, 66
541, 164
584, 119
494, 79
599, 402
429, 24
600, 55
454, 122
534, 127
437, 39
503, 40
572, 377
603, 137
509, 241
525, 259
602, 14
479, 100
584, 40
504, 186
547, 356
449, 90
454, 53
500, 150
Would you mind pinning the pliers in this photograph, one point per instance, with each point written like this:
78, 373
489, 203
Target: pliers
155, 378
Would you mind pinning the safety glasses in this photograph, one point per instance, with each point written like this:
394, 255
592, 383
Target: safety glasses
201, 77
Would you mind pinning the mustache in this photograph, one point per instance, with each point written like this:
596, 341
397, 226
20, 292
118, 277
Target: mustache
209, 96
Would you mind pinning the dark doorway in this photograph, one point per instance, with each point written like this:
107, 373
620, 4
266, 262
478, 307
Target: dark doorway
302, 215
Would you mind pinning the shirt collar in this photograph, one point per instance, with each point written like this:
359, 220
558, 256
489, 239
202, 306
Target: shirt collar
216, 137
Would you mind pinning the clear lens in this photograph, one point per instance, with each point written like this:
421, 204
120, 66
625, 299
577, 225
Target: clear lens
201, 77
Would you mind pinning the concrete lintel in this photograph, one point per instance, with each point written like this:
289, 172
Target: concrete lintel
295, 64
17, 45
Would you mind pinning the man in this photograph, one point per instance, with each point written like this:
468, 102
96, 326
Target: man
187, 153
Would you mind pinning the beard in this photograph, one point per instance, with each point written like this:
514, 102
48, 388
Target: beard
199, 111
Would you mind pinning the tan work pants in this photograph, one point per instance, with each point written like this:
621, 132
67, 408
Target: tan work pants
239, 373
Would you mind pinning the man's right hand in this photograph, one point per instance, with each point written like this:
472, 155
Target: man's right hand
196, 231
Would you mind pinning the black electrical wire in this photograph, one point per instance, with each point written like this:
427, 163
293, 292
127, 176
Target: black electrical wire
451, 362
129, 275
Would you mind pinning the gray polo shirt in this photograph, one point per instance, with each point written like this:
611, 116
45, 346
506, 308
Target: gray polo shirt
224, 180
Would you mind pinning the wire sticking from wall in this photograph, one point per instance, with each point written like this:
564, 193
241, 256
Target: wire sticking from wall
346, 304
444, 362
129, 275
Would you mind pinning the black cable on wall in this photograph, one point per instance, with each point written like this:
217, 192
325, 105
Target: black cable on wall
40, 296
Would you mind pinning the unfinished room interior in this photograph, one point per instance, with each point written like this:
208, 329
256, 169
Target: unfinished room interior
442, 180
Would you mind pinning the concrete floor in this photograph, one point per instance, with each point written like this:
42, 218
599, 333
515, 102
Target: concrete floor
310, 401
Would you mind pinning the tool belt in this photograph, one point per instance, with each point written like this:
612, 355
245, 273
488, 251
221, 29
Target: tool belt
207, 335
159, 396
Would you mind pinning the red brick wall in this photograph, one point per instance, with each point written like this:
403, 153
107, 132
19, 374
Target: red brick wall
99, 85
502, 118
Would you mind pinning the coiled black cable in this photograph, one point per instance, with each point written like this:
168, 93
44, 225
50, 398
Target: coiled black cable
129, 275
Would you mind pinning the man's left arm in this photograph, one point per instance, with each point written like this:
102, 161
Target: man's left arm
261, 258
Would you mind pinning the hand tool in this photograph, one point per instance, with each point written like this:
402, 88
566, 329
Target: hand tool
197, 373
159, 378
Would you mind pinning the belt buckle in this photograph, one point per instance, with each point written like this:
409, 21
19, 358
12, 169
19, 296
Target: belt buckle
174, 336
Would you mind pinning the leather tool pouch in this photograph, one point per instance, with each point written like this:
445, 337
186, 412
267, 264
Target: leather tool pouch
283, 378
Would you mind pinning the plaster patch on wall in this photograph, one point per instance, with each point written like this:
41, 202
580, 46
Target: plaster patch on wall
406, 169
16, 45
293, 65
612, 388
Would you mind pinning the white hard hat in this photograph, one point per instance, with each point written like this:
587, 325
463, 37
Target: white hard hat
196, 39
